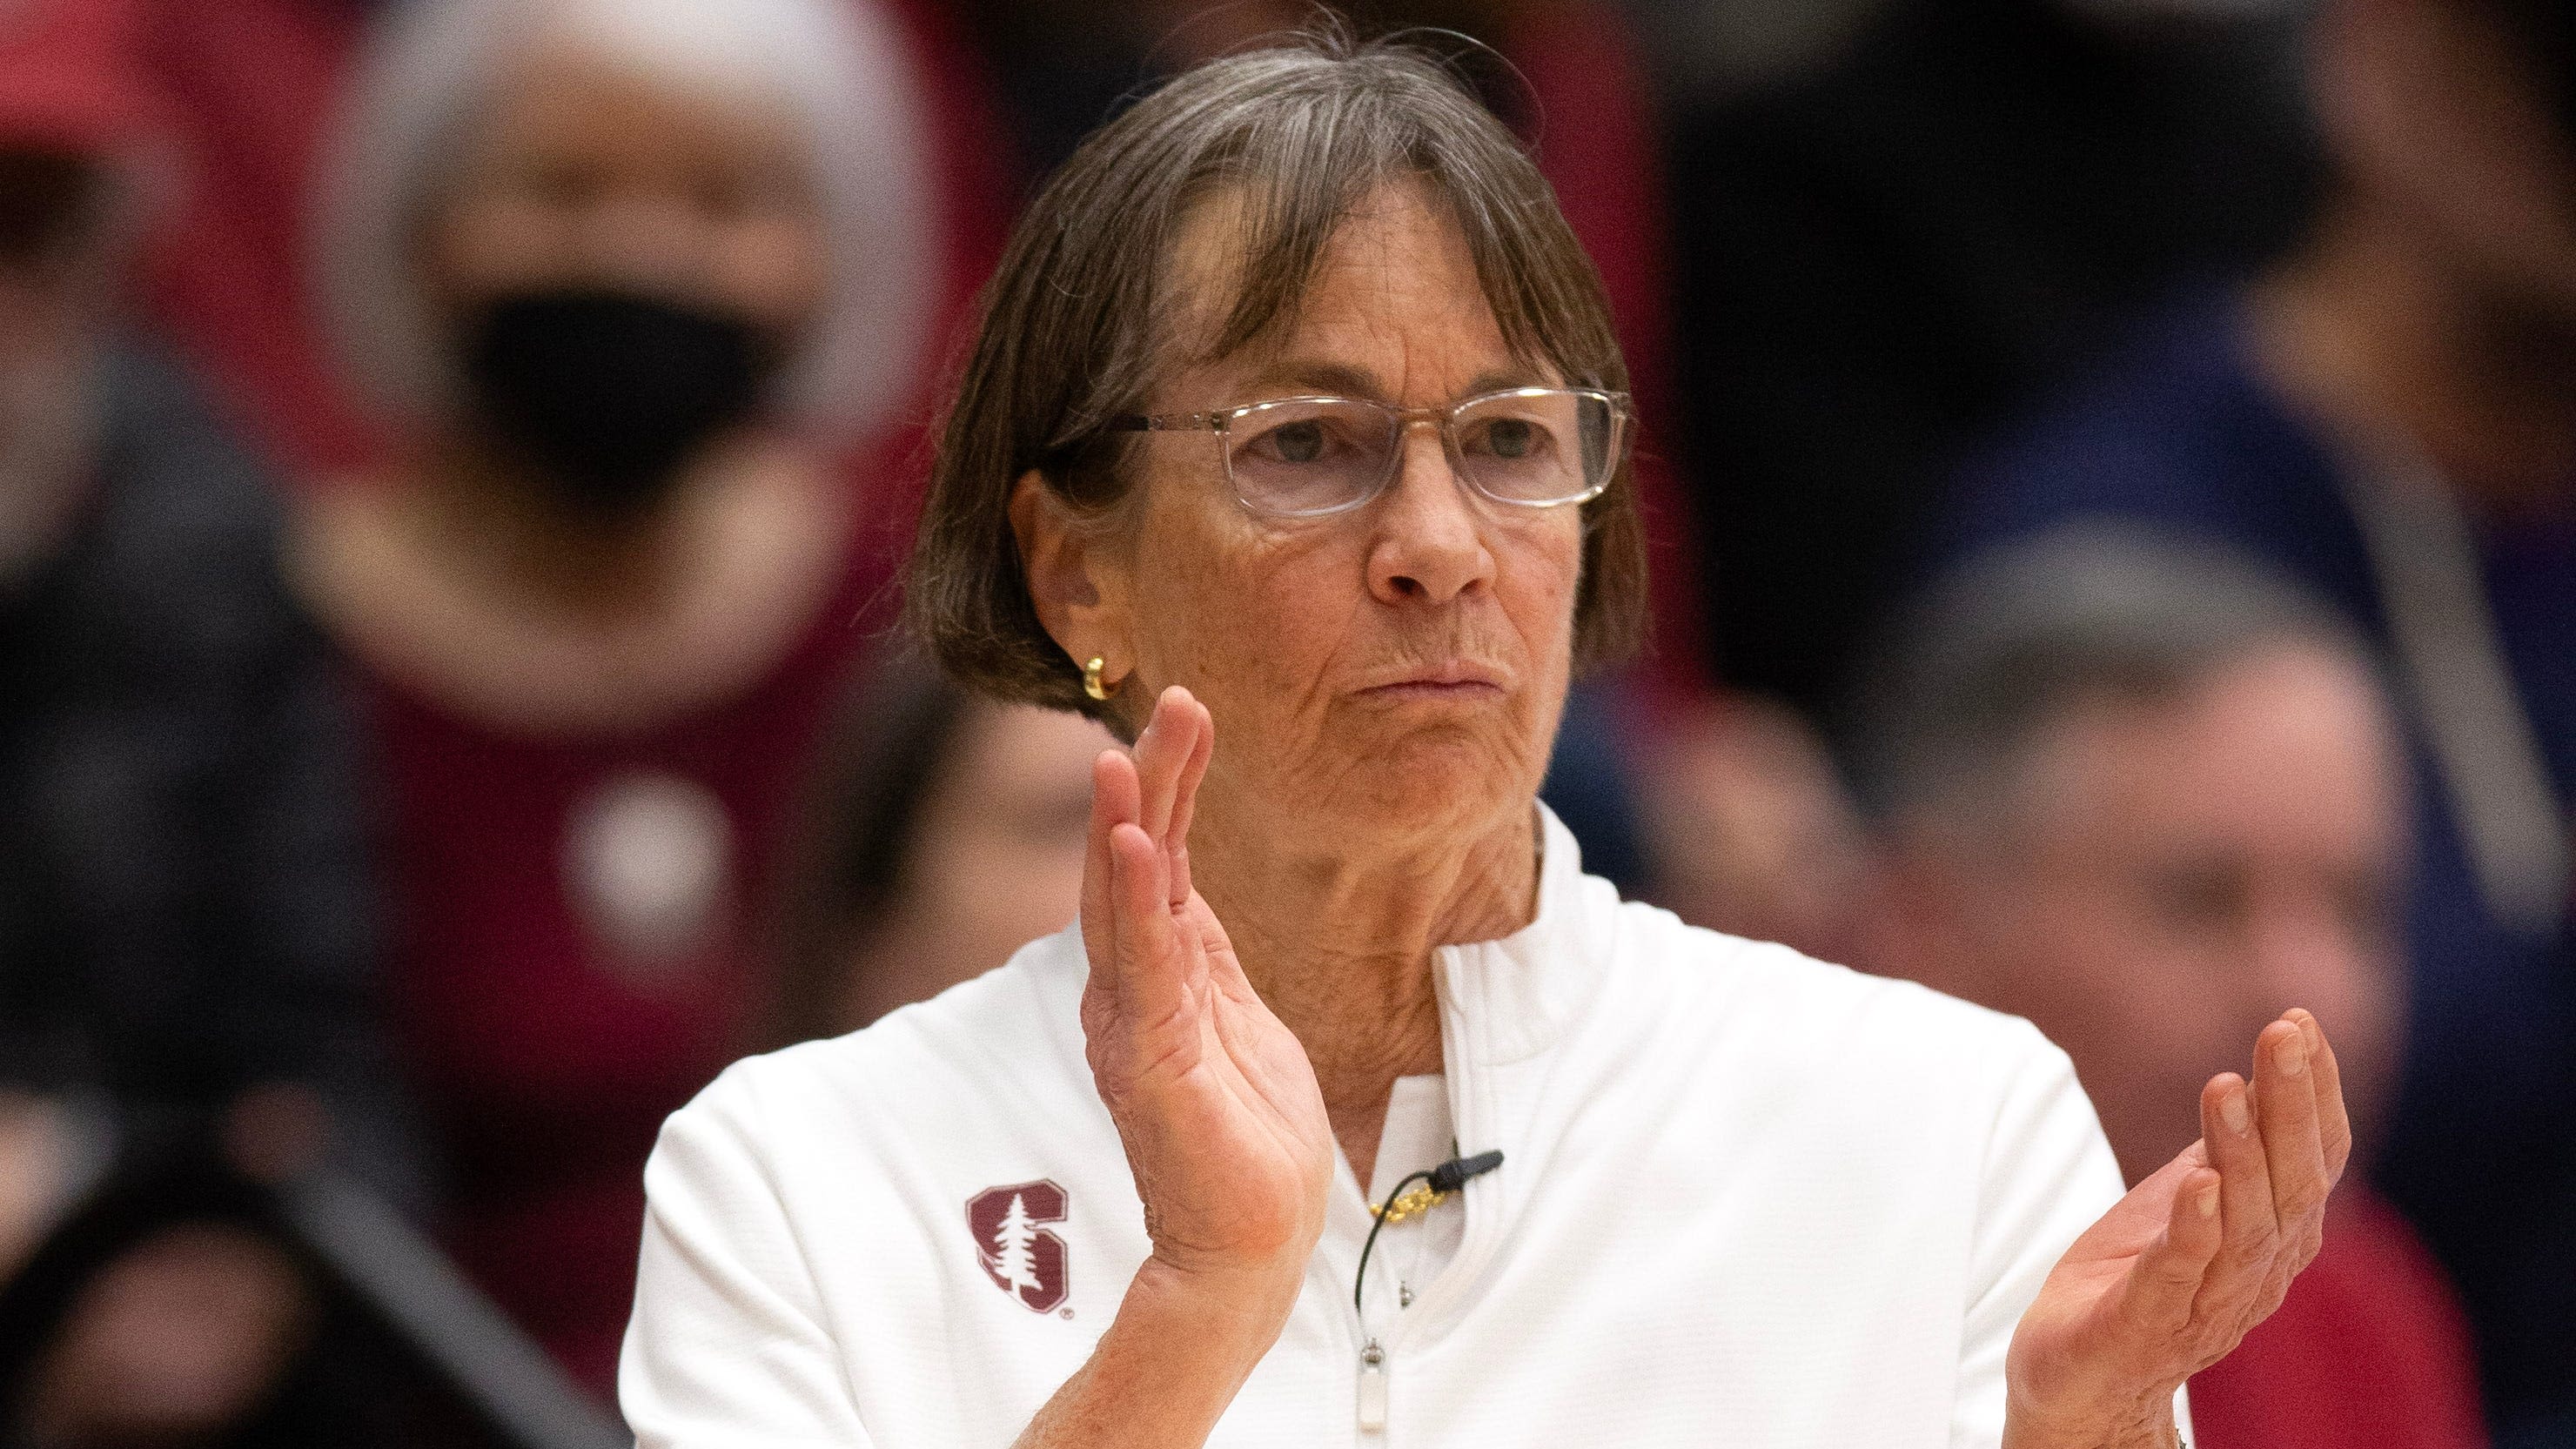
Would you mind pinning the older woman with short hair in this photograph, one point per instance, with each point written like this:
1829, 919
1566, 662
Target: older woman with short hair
629, 274
1351, 1111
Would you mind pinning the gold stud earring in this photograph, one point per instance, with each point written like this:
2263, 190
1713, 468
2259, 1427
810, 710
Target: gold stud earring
1091, 684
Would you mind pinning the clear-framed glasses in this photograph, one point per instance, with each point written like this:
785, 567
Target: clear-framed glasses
1307, 457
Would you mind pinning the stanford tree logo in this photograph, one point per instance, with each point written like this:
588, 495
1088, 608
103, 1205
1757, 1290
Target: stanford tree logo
1022, 1258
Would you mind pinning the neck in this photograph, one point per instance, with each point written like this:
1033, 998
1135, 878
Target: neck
2370, 333
1338, 937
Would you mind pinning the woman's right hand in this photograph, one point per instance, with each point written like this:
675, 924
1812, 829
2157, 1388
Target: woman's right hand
1214, 1098
1215, 1103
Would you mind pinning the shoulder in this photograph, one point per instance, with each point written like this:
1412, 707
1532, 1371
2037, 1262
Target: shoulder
999, 1054
179, 554
1875, 1107
1757, 1007
159, 434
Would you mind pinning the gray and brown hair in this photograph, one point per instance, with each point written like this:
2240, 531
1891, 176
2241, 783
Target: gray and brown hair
1077, 322
2016, 637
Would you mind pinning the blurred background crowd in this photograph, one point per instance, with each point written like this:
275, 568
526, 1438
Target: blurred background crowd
2112, 466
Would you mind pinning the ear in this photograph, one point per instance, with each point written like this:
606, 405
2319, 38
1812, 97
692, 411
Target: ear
1076, 577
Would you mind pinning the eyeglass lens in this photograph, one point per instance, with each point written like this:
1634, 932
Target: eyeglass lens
1308, 456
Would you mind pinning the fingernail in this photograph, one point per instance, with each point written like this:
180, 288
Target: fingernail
2292, 1054
2231, 1110
2207, 1202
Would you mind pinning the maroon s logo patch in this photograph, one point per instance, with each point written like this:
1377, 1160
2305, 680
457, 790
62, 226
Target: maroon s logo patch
1022, 1258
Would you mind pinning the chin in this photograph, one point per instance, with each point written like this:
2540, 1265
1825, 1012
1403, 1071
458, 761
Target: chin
1434, 778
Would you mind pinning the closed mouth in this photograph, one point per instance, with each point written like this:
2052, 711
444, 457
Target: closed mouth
1456, 680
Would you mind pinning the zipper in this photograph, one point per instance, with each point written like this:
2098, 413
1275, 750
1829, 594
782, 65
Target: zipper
1456, 1054
1372, 1388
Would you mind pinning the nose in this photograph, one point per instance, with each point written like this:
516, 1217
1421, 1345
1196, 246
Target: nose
644, 238
1429, 542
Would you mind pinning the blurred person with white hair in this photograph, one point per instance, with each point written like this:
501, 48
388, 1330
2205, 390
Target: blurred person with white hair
626, 273
2144, 794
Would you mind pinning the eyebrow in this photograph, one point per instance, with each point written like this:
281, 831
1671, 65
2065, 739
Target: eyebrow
1344, 380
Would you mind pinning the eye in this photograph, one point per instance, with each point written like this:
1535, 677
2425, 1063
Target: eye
1508, 439
1298, 442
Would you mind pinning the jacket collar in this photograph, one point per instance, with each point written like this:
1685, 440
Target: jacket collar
1509, 999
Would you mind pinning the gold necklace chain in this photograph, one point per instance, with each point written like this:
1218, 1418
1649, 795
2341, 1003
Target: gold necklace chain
1412, 1202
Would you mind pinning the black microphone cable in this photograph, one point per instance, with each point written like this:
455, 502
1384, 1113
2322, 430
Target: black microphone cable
1440, 1182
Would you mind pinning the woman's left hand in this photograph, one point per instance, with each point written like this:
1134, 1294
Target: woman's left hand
2177, 1272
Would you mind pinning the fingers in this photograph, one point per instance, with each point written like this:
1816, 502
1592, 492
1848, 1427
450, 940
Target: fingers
1163, 754
2326, 1074
1171, 758
1136, 865
1176, 839
2293, 1150
1115, 933
2235, 1147
1149, 975
1113, 802
2167, 1278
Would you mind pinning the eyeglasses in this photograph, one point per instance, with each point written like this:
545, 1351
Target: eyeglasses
1307, 457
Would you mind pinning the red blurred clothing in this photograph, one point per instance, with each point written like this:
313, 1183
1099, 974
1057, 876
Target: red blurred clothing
252, 85
2369, 1351
1595, 136
547, 1057
70, 80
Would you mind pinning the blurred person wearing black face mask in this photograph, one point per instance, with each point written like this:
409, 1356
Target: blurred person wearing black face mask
2389, 415
185, 906
627, 273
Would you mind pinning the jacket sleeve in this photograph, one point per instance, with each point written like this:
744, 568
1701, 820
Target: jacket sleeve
727, 1346
2049, 1175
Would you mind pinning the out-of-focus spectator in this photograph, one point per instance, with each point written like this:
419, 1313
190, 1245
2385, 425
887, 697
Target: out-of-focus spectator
1746, 825
626, 271
186, 911
250, 87
2390, 415
2150, 798
948, 831
1875, 262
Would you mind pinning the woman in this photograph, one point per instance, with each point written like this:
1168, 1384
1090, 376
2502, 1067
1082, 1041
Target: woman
1114, 1192
947, 832
629, 274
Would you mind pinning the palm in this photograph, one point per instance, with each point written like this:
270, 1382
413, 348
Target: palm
2059, 1347
1214, 1099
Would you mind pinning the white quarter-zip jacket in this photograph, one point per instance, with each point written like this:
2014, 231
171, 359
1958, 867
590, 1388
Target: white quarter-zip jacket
1746, 1199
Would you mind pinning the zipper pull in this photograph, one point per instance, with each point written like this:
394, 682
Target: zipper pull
1372, 1388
